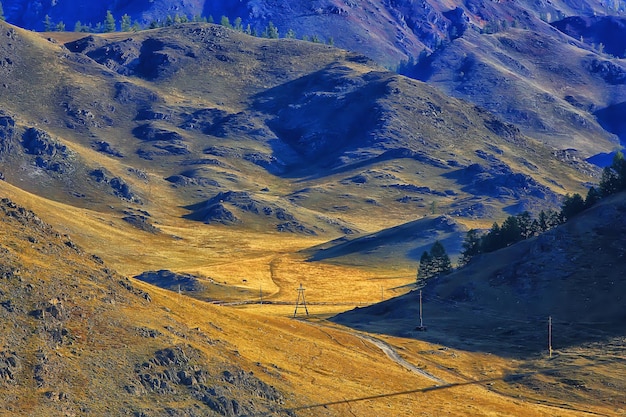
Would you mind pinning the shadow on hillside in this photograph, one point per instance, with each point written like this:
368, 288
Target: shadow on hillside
323, 118
463, 326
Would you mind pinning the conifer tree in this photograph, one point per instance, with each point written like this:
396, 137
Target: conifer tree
237, 25
471, 247
47, 23
126, 23
270, 31
1, 12
109, 22
425, 268
434, 263
225, 21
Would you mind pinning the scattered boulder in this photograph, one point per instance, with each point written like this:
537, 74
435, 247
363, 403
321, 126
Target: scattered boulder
178, 369
106, 148
49, 153
10, 366
499, 181
118, 186
141, 222
610, 72
171, 280
150, 133
7, 133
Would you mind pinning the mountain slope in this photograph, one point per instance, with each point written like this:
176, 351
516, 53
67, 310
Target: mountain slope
166, 127
385, 31
572, 273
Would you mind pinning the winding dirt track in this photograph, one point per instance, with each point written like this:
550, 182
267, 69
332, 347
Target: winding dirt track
395, 356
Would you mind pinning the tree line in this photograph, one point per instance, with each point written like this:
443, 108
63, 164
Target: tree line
523, 226
110, 24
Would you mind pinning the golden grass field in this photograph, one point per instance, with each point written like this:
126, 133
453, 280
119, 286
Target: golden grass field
323, 369
326, 369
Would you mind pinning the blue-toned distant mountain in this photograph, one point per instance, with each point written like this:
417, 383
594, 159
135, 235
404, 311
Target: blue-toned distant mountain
386, 31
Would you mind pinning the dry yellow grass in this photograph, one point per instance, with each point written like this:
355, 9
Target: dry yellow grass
311, 360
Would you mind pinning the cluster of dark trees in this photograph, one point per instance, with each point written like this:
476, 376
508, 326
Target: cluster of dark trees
110, 24
434, 263
523, 226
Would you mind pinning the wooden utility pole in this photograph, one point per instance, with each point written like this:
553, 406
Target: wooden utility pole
298, 302
421, 327
550, 336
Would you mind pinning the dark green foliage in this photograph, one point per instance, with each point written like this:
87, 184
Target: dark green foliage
593, 196
238, 25
572, 205
614, 177
424, 270
1, 12
47, 24
546, 221
60, 27
513, 229
109, 22
471, 247
225, 21
434, 263
126, 23
270, 31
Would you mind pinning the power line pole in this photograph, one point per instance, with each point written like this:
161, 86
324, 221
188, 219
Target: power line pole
298, 302
550, 336
421, 327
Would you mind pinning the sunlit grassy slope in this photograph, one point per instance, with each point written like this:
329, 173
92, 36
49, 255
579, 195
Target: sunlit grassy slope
87, 349
246, 112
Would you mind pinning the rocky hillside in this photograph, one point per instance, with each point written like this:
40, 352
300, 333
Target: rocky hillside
307, 145
572, 273
386, 31
68, 337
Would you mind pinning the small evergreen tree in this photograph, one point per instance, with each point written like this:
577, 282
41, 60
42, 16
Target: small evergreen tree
613, 177
471, 247
290, 34
126, 23
47, 23
425, 268
1, 12
60, 27
593, 196
270, 31
109, 22
572, 205
441, 260
225, 21
434, 263
238, 26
